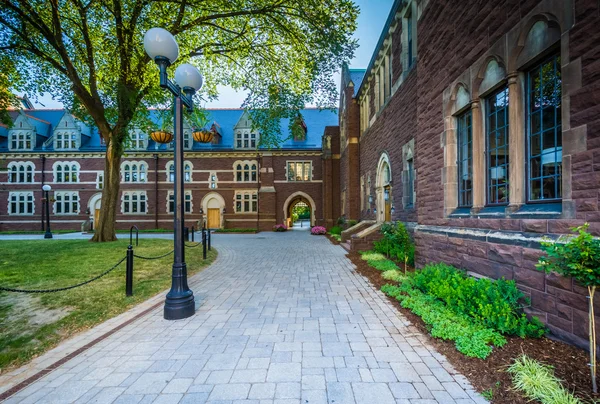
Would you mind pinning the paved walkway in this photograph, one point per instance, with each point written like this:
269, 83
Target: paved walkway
282, 319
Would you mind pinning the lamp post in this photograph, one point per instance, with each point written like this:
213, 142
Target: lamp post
46, 188
163, 49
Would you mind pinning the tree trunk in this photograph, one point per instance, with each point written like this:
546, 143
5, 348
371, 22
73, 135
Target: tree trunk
105, 228
592, 334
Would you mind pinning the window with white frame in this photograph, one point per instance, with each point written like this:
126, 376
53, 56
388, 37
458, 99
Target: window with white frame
66, 140
246, 171
100, 180
21, 172
21, 140
213, 180
138, 140
20, 203
134, 202
133, 171
187, 202
187, 139
246, 202
299, 171
245, 140
66, 203
187, 171
66, 172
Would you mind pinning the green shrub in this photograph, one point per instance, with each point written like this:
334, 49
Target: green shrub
372, 256
494, 304
378, 261
537, 382
393, 275
351, 223
396, 243
472, 339
336, 230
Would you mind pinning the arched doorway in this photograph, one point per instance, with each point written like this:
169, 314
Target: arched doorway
212, 205
95, 207
383, 189
298, 199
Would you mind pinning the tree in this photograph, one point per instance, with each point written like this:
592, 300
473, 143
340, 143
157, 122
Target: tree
578, 258
89, 55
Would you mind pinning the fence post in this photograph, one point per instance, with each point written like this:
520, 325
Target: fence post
193, 231
208, 239
203, 243
129, 272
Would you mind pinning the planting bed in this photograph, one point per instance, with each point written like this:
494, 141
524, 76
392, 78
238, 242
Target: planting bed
489, 376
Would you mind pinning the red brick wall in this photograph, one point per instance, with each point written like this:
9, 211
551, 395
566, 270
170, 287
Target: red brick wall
395, 126
270, 206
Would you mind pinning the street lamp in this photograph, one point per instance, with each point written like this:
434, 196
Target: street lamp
163, 49
46, 188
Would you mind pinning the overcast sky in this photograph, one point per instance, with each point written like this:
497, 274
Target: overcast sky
373, 14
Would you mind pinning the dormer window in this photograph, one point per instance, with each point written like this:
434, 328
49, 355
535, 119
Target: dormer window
66, 140
138, 140
245, 140
21, 140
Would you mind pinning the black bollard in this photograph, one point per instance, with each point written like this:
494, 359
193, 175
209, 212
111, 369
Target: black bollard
193, 231
208, 239
129, 272
203, 244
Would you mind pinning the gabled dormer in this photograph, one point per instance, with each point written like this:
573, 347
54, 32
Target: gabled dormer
138, 139
23, 134
244, 136
67, 133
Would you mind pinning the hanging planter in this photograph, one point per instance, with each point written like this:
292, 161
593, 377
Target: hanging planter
203, 136
161, 136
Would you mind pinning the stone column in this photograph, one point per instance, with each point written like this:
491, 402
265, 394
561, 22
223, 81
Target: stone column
516, 142
479, 171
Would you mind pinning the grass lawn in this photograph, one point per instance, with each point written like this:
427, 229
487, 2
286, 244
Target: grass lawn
31, 324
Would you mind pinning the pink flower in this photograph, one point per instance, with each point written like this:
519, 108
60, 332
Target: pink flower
317, 230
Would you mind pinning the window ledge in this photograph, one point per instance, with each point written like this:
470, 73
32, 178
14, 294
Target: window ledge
539, 211
460, 212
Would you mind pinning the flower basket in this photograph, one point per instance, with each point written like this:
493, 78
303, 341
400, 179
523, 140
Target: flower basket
161, 136
203, 136
318, 230
280, 227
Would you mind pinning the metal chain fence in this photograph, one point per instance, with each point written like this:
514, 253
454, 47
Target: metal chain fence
67, 287
153, 258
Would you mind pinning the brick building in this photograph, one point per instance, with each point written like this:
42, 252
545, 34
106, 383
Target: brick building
230, 182
477, 123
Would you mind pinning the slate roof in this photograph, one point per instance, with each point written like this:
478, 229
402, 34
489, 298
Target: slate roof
45, 120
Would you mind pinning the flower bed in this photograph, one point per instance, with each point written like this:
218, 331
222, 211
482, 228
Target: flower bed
280, 228
318, 230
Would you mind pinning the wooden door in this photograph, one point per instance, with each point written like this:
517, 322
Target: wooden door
214, 218
97, 217
388, 204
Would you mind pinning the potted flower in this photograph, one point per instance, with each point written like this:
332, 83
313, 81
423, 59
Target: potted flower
198, 121
318, 230
164, 134
280, 227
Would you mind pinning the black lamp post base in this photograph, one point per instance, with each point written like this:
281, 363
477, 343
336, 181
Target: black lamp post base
180, 307
48, 235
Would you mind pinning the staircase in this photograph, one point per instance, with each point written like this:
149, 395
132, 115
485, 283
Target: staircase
361, 240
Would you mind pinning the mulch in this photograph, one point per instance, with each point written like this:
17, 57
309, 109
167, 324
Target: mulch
570, 363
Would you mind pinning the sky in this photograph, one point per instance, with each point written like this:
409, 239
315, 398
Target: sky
372, 17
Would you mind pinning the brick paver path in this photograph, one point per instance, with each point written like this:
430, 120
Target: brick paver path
282, 319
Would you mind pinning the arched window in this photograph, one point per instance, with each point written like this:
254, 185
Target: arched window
66, 172
246, 202
133, 171
138, 140
188, 169
246, 171
21, 172
21, 140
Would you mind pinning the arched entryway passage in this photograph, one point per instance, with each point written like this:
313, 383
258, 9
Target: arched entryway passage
95, 207
383, 189
300, 199
212, 205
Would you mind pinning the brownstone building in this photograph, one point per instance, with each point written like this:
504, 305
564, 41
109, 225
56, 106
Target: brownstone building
230, 183
477, 123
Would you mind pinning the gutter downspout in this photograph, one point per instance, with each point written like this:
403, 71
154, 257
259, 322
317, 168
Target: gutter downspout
155, 190
43, 157
259, 158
